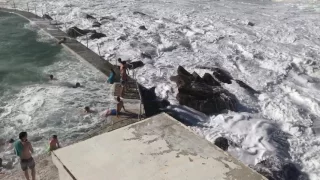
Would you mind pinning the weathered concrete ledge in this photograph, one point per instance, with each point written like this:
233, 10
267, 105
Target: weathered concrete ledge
72, 45
156, 148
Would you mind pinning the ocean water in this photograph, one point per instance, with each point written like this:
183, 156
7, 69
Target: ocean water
30, 102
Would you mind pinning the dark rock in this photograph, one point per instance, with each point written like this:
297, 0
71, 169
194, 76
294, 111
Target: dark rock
197, 78
247, 87
141, 13
76, 32
46, 16
142, 28
146, 55
152, 105
107, 18
222, 75
96, 24
197, 94
208, 79
250, 23
275, 168
97, 35
90, 17
135, 64
222, 143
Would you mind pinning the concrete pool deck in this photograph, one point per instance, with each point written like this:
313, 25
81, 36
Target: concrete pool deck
159, 147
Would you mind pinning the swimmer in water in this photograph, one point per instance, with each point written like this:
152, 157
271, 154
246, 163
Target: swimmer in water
52, 77
116, 112
88, 110
77, 85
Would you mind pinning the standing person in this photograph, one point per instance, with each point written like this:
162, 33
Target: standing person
23, 149
54, 143
123, 75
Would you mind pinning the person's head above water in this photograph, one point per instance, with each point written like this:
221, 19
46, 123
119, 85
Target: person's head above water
10, 141
51, 76
77, 85
87, 109
23, 136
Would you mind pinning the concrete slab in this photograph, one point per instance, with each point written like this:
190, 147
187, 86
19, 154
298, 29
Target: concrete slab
157, 148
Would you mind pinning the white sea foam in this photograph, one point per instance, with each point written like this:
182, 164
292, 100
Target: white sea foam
279, 56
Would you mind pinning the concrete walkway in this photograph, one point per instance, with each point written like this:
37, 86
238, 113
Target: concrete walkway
157, 148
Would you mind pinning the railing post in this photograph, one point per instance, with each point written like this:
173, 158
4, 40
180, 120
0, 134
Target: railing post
28, 6
42, 11
14, 5
35, 9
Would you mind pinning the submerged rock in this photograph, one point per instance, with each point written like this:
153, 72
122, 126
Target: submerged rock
77, 32
250, 23
97, 35
222, 143
194, 92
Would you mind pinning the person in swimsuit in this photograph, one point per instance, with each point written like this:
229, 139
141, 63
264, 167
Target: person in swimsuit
23, 149
116, 112
54, 143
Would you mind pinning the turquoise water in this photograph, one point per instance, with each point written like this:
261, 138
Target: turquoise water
30, 102
21, 55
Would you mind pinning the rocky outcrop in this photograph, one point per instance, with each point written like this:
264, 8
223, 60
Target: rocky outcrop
195, 92
97, 35
77, 32
208, 79
222, 143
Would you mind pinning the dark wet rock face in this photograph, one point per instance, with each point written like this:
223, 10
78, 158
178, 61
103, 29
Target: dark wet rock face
142, 28
222, 75
135, 64
250, 23
275, 168
46, 16
97, 35
110, 18
222, 143
90, 17
96, 24
77, 32
196, 93
208, 79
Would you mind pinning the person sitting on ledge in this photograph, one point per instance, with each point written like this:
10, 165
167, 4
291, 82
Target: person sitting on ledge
62, 40
54, 143
116, 112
